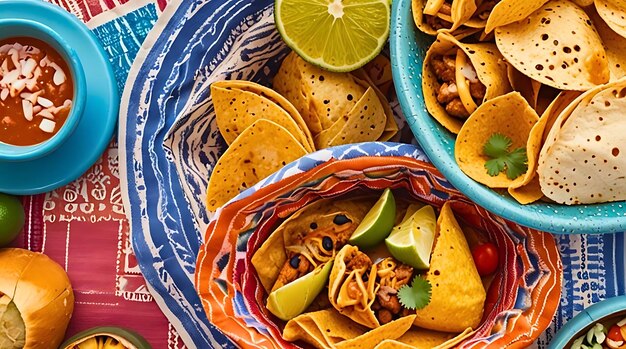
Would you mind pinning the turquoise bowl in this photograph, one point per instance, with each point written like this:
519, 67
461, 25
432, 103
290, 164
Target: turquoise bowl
408, 49
23, 27
581, 323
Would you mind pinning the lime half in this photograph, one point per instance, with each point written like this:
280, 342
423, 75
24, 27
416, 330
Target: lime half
11, 218
377, 223
337, 35
293, 298
412, 241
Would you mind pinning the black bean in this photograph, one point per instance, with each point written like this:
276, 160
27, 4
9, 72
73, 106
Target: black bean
327, 243
313, 226
366, 277
341, 219
295, 261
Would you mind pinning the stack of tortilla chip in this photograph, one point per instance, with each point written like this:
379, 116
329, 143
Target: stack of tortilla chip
525, 66
317, 109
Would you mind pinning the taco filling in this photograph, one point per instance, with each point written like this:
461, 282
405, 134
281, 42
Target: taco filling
315, 248
373, 287
438, 14
460, 91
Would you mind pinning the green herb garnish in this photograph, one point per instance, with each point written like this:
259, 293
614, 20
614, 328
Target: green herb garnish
497, 148
416, 296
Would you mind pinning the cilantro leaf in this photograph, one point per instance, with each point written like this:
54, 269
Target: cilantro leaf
515, 163
416, 296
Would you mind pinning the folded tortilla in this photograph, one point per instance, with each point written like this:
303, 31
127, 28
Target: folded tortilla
419, 338
483, 66
458, 296
557, 46
363, 290
509, 11
451, 16
614, 44
303, 233
584, 155
613, 12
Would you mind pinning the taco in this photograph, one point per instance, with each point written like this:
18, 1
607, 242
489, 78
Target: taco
418, 338
308, 238
509, 11
333, 101
260, 150
459, 77
365, 291
583, 157
433, 16
238, 104
572, 59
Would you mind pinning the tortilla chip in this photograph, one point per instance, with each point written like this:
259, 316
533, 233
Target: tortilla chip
458, 296
321, 97
509, 115
572, 59
614, 44
271, 256
379, 72
584, 154
372, 338
364, 123
391, 127
461, 12
583, 3
510, 11
526, 189
418, 338
260, 150
487, 62
277, 99
613, 12
237, 109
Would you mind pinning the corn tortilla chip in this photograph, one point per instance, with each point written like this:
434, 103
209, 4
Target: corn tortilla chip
572, 59
418, 338
614, 44
371, 338
391, 127
509, 115
614, 13
490, 70
260, 150
584, 154
236, 109
509, 11
457, 290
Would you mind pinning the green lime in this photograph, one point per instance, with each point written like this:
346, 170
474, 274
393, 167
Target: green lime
412, 242
293, 298
11, 218
337, 35
377, 223
411, 210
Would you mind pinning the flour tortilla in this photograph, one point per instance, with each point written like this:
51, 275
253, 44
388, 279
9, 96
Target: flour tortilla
539, 47
509, 11
584, 155
614, 13
260, 150
614, 44
461, 12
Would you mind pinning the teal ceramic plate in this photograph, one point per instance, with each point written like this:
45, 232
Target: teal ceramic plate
408, 49
95, 129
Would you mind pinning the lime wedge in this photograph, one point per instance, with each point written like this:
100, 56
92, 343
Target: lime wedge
337, 35
293, 298
377, 223
410, 211
412, 241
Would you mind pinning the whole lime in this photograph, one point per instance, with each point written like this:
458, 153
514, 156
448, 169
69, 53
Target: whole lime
11, 218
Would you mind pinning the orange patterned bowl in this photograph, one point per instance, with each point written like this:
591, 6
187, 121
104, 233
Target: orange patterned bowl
521, 299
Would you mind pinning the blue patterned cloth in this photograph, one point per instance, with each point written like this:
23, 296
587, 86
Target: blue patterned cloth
209, 40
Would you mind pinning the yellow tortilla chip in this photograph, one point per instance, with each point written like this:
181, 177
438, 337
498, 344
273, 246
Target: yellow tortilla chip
458, 296
391, 127
613, 12
490, 70
371, 338
321, 97
260, 150
509, 11
364, 123
509, 115
236, 109
539, 47
379, 72
583, 3
419, 338
527, 87
526, 189
614, 44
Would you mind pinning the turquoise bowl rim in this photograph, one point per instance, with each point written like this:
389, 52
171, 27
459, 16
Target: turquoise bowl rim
591, 315
10, 152
438, 144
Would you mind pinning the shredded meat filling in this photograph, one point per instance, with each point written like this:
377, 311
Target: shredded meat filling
358, 260
288, 273
387, 305
447, 95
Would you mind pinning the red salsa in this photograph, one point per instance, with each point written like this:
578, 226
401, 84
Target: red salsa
36, 91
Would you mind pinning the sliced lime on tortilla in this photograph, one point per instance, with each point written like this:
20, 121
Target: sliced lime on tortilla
337, 35
292, 299
377, 223
412, 241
